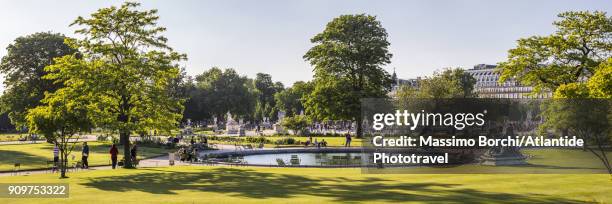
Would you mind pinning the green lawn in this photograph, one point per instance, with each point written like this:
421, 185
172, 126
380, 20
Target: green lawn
35, 156
193, 184
4, 137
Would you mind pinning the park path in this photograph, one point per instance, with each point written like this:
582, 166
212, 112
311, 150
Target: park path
160, 161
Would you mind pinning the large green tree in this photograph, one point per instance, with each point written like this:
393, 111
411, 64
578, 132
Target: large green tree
61, 115
291, 99
450, 83
126, 70
573, 63
348, 57
221, 91
266, 88
23, 67
571, 54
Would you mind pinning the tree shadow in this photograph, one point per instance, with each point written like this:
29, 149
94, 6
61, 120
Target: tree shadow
555, 167
11, 157
260, 185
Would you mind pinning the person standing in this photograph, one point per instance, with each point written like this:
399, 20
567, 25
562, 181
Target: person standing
133, 152
113, 152
348, 140
85, 155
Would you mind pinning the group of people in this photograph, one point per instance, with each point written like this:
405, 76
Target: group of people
323, 143
85, 155
188, 154
316, 143
114, 152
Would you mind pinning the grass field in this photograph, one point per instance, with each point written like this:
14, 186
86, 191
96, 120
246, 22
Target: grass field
4, 137
35, 156
192, 184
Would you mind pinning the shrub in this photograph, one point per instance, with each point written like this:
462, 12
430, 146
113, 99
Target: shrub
297, 123
285, 141
257, 140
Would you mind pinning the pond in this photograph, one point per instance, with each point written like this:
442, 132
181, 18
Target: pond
306, 159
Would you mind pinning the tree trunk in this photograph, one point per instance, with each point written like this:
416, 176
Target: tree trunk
63, 163
127, 159
359, 127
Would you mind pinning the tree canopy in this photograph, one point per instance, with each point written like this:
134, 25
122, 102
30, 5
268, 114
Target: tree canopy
450, 83
61, 115
348, 59
220, 91
571, 54
291, 99
125, 70
23, 67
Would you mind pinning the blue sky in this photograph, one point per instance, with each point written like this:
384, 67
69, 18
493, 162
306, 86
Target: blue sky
272, 36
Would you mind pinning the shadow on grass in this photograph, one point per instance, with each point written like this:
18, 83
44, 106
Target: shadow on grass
601, 169
261, 185
11, 157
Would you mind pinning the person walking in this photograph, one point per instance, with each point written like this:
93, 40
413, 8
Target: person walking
85, 155
113, 152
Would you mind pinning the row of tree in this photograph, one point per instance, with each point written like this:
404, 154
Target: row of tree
121, 75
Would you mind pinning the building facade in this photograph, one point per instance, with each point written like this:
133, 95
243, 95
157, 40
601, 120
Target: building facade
487, 84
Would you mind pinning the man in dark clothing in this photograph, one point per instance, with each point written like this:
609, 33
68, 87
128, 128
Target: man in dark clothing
113, 153
133, 152
348, 140
85, 154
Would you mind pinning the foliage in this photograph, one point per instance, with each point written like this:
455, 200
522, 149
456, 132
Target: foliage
266, 88
451, 83
126, 69
348, 57
220, 91
286, 141
588, 119
62, 114
258, 140
573, 53
600, 85
23, 67
297, 123
291, 99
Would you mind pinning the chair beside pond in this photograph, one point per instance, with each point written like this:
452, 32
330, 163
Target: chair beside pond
295, 160
339, 160
280, 162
